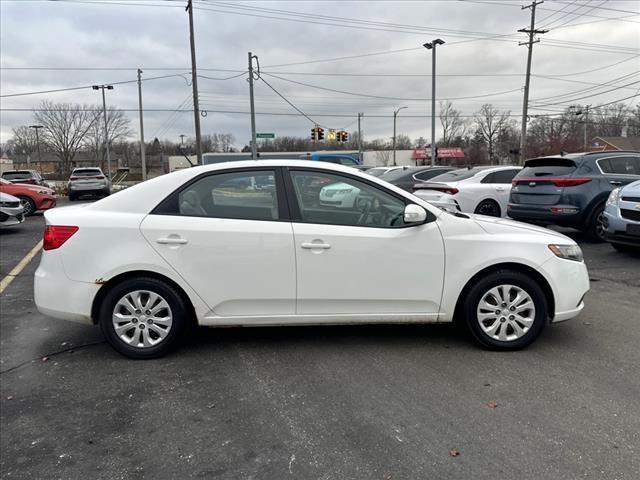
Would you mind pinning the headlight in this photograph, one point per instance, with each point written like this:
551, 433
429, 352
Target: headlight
568, 252
614, 196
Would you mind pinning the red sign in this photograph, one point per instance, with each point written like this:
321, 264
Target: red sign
443, 152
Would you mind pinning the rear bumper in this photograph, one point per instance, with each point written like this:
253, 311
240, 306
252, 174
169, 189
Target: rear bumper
543, 214
58, 297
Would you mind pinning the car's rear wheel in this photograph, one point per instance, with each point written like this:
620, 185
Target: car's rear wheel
595, 228
72, 197
506, 310
143, 317
28, 204
489, 208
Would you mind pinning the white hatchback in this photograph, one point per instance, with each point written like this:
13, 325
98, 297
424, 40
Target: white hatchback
206, 245
483, 190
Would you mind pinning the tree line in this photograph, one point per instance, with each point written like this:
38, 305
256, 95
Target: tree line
490, 135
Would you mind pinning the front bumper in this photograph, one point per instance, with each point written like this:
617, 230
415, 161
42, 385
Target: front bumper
616, 227
10, 216
569, 281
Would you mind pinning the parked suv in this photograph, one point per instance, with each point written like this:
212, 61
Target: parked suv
30, 177
571, 190
622, 218
88, 181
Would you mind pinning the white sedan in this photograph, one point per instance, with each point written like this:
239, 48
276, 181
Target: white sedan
11, 210
199, 246
482, 190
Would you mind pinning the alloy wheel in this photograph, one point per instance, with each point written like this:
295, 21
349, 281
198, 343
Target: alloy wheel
142, 319
506, 313
489, 209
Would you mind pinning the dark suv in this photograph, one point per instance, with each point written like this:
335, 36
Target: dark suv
24, 176
571, 189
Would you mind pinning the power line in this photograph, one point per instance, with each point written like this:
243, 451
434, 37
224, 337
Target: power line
590, 96
85, 86
385, 97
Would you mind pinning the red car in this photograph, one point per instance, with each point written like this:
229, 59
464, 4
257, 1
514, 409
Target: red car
33, 197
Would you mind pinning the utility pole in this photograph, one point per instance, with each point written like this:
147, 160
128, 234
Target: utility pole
254, 146
360, 115
395, 114
525, 103
432, 46
143, 159
586, 125
106, 125
36, 128
194, 82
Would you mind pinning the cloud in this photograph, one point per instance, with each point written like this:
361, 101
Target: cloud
127, 37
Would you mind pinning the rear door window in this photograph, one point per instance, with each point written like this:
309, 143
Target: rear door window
504, 176
623, 165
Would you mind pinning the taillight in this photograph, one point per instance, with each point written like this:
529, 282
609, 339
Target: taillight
557, 181
55, 236
99, 177
74, 178
570, 182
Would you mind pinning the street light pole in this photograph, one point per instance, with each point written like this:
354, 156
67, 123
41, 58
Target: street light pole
395, 114
36, 128
432, 46
106, 127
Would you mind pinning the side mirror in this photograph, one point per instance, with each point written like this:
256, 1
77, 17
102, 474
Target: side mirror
414, 214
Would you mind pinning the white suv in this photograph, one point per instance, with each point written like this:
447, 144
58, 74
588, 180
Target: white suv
88, 181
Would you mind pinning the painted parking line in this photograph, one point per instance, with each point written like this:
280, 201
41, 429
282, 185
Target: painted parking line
4, 283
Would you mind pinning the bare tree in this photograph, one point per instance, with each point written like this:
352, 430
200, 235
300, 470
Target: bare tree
453, 125
65, 126
403, 142
118, 129
23, 141
383, 157
490, 123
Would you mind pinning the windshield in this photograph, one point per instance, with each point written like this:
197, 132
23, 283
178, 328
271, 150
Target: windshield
377, 172
16, 175
544, 167
457, 175
86, 172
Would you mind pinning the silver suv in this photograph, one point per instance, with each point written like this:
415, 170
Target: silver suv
88, 181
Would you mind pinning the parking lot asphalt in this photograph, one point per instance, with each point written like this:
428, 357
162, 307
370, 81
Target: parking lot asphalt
343, 402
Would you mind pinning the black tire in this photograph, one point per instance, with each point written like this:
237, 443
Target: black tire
72, 197
621, 247
489, 208
179, 311
481, 288
595, 228
28, 204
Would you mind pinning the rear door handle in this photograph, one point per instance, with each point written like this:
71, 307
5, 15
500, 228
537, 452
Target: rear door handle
311, 245
172, 241
613, 182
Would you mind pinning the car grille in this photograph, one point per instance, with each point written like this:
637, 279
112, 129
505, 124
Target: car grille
10, 204
630, 214
630, 199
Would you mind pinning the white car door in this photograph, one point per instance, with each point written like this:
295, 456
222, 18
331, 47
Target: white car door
226, 235
362, 260
500, 181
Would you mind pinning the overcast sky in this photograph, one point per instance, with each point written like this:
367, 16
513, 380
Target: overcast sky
581, 51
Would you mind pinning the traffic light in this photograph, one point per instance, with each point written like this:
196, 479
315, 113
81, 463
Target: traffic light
320, 133
314, 133
343, 136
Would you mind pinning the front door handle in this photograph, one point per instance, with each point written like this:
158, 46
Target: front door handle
313, 246
172, 240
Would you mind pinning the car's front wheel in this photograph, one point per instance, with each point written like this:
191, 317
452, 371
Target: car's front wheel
506, 310
28, 204
143, 317
488, 208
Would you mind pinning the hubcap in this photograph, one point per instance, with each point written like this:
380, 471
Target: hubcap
506, 313
142, 319
489, 209
26, 205
600, 225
